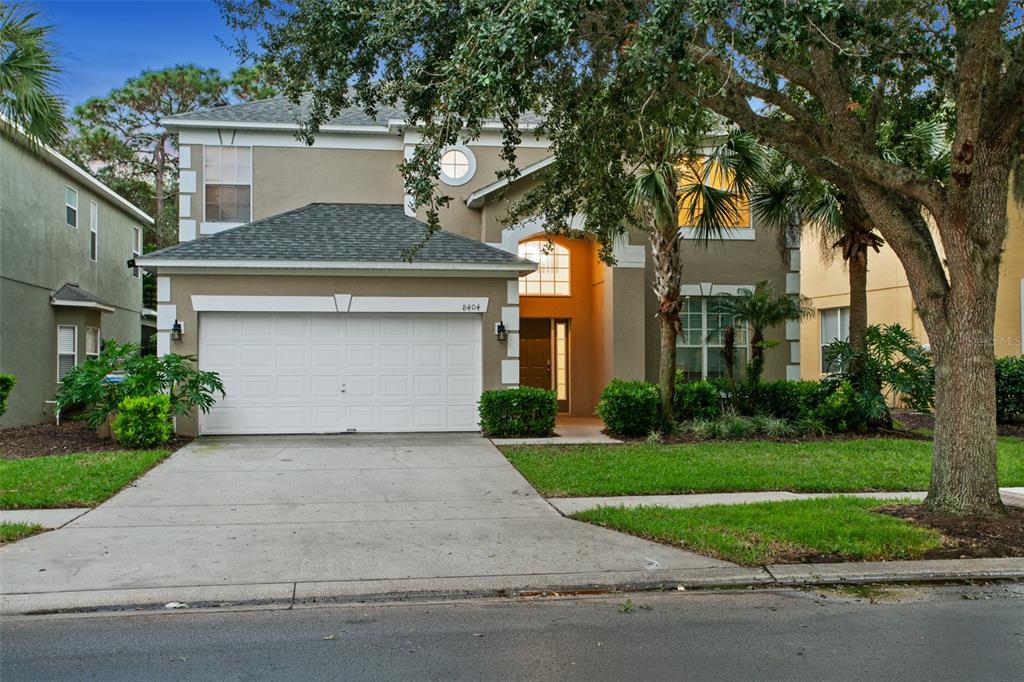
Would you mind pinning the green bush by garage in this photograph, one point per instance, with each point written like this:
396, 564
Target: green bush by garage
515, 412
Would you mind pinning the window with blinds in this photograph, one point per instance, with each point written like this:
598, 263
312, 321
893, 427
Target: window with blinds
92, 342
67, 349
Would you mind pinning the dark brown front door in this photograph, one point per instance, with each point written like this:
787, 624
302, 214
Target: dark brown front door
535, 353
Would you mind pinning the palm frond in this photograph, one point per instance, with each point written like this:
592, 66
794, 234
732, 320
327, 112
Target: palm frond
28, 77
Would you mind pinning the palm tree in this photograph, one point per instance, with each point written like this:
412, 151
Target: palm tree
789, 199
28, 77
677, 182
762, 309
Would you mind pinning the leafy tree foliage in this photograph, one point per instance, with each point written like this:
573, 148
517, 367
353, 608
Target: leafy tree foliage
28, 76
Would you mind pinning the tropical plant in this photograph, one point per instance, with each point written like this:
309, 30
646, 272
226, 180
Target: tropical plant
762, 308
894, 366
677, 183
100, 384
28, 76
790, 200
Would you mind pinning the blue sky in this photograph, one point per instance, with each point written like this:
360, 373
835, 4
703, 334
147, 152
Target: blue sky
101, 44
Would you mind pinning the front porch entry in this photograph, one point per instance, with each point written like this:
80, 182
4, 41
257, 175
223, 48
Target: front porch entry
544, 356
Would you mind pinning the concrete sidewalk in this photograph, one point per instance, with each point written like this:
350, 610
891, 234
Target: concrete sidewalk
1012, 497
269, 518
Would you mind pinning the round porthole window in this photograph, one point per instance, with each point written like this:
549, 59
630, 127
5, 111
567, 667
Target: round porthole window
457, 165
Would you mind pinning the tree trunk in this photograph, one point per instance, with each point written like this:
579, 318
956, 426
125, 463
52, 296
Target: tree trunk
858, 270
756, 356
958, 313
159, 161
667, 257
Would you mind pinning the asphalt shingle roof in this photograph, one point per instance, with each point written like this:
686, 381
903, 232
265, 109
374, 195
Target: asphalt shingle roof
362, 233
281, 110
72, 293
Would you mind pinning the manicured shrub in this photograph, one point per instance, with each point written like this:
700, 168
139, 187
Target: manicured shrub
143, 422
1010, 389
523, 411
697, 400
782, 399
630, 408
842, 410
7, 382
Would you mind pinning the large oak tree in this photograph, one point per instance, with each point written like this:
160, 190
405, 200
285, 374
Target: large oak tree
836, 85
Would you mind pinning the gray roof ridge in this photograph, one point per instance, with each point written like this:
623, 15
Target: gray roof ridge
189, 114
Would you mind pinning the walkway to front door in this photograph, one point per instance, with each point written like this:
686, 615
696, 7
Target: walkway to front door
347, 514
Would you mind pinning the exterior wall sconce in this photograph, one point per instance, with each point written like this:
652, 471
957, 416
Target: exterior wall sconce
176, 331
501, 332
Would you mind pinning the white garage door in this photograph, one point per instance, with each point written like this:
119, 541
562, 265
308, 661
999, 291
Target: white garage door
329, 373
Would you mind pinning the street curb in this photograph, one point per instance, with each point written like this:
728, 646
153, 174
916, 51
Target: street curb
302, 594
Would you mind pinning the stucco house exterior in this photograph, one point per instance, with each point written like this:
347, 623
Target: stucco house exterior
65, 285
290, 280
890, 300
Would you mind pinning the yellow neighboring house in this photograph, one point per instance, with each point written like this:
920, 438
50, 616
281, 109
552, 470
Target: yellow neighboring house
889, 299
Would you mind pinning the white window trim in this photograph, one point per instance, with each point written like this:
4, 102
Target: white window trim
60, 379
136, 251
249, 184
470, 172
94, 231
705, 331
98, 342
69, 188
839, 327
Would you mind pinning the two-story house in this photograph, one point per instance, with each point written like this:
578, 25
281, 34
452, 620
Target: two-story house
290, 281
65, 284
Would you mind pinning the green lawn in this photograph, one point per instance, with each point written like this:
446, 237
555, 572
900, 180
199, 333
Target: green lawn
9, 532
774, 532
858, 465
82, 480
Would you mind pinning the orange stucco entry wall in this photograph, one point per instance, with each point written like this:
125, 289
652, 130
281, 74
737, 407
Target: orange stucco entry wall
584, 308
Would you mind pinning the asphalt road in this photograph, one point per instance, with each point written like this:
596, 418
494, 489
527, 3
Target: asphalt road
946, 633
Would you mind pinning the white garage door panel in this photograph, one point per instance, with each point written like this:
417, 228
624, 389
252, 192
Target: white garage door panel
327, 373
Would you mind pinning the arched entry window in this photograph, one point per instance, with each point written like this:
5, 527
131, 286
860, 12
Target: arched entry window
551, 278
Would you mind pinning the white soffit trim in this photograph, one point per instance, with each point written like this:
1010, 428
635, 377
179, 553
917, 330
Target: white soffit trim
174, 263
82, 304
730, 234
708, 289
418, 304
264, 304
286, 138
479, 196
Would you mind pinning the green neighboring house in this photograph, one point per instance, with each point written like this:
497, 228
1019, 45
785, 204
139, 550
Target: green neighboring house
65, 282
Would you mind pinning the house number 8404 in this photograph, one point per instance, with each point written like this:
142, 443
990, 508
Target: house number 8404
471, 307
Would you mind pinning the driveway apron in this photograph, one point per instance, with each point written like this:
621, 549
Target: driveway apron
321, 510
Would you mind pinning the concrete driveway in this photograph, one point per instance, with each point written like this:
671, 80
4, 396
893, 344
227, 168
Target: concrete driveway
306, 517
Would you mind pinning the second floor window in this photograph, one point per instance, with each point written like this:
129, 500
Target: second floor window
551, 278
71, 207
94, 226
227, 176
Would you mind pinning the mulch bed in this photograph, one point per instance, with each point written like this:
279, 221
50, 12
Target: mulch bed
916, 420
967, 538
43, 440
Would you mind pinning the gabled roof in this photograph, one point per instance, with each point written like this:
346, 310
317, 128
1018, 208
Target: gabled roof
73, 296
479, 196
281, 113
16, 134
336, 236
